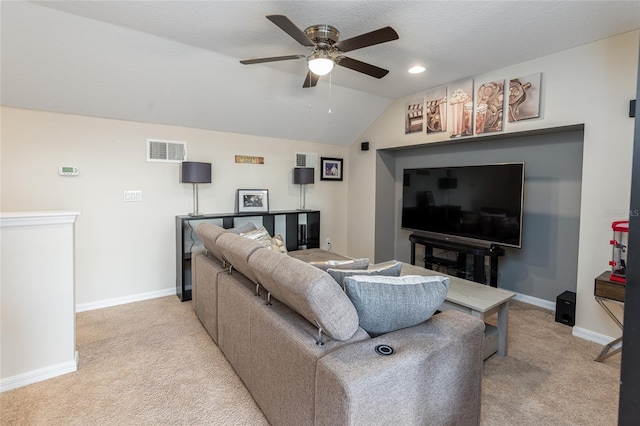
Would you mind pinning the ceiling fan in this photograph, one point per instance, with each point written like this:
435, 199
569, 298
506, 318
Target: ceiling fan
326, 50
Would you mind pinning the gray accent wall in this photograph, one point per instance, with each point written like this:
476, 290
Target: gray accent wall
385, 206
546, 265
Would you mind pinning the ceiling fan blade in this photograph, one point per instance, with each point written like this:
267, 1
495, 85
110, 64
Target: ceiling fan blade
290, 28
272, 59
311, 80
382, 35
362, 67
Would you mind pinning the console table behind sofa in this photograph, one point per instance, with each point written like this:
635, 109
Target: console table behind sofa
299, 228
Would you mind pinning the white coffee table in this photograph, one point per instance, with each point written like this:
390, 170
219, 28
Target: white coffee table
478, 300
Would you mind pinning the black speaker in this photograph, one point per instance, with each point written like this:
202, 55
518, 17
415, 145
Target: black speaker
302, 234
364, 146
566, 308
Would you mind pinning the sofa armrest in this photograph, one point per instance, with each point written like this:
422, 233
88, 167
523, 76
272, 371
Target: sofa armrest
434, 376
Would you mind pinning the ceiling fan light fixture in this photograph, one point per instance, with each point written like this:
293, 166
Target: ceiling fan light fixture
326, 49
320, 63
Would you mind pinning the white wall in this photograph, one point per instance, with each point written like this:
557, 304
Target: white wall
38, 321
125, 250
590, 84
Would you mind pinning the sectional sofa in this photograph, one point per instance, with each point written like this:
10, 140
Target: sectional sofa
294, 338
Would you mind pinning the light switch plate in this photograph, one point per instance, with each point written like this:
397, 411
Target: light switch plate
132, 196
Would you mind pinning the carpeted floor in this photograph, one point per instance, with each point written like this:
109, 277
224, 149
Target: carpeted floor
151, 362
549, 376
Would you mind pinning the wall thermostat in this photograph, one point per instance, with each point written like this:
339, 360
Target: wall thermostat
68, 171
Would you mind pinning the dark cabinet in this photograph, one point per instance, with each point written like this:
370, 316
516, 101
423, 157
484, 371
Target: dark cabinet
460, 264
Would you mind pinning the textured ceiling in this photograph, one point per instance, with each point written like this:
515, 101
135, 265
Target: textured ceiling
176, 62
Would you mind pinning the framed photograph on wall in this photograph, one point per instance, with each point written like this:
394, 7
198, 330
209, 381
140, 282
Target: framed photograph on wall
331, 168
253, 200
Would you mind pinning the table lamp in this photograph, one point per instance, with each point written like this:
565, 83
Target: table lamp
303, 176
194, 172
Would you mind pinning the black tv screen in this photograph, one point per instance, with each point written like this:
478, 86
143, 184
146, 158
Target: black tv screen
480, 203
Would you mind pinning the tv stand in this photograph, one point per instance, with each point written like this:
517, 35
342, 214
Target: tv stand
460, 264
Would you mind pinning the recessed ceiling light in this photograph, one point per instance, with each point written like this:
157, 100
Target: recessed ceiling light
416, 70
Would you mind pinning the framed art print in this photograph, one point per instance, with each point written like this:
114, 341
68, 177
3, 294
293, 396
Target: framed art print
489, 107
436, 110
414, 116
460, 116
524, 97
253, 200
331, 168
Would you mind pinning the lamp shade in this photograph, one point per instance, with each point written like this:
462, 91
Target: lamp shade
194, 172
303, 175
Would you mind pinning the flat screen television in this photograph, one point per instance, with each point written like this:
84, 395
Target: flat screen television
475, 204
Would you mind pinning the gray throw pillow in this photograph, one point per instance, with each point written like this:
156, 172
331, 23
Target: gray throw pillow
386, 304
342, 264
247, 227
392, 270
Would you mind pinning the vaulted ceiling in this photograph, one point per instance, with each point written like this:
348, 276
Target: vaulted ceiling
177, 62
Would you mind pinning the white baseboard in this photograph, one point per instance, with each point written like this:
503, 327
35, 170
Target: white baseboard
39, 375
582, 333
535, 301
592, 336
82, 307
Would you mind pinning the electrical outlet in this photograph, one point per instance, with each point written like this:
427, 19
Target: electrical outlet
328, 241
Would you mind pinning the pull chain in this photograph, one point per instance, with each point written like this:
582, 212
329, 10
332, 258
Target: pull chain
310, 103
330, 93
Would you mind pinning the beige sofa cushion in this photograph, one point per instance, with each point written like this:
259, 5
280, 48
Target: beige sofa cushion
236, 250
283, 362
204, 291
433, 378
307, 290
209, 234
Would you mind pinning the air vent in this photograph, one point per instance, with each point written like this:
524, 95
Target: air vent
167, 151
303, 159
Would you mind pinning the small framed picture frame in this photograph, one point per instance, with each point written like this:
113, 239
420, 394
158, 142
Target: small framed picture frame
253, 200
331, 168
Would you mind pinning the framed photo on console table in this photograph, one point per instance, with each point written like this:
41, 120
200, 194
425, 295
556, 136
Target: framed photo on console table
330, 168
253, 200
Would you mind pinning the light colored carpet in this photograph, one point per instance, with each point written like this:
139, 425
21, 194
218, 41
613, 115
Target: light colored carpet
151, 362
549, 376
144, 363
